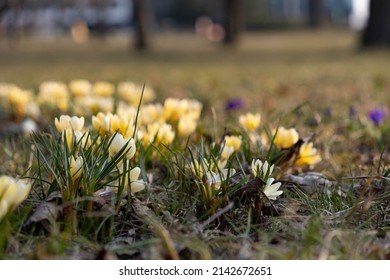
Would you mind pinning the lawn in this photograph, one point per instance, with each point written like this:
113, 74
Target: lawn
316, 82
276, 67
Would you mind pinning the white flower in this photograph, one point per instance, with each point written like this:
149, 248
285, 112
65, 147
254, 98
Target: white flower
135, 184
132, 176
215, 179
227, 151
77, 137
262, 170
66, 121
76, 123
12, 193
271, 190
220, 164
76, 167
118, 142
102, 122
29, 126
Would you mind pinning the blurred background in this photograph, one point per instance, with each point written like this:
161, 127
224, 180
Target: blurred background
217, 20
271, 53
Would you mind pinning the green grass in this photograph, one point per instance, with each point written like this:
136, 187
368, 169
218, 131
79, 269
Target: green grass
307, 80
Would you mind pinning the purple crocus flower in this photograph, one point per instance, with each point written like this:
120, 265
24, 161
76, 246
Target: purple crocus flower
234, 104
377, 115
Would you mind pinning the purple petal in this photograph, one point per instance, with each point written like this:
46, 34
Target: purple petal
377, 115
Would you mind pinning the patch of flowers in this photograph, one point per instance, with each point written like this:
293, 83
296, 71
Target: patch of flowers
104, 141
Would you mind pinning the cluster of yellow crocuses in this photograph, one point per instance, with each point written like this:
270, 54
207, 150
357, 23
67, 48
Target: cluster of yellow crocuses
151, 124
283, 139
146, 123
77, 137
18, 102
81, 97
211, 173
286, 138
156, 123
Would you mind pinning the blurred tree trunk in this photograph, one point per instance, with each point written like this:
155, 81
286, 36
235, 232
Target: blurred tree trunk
12, 30
4, 6
377, 31
233, 10
142, 19
315, 13
101, 25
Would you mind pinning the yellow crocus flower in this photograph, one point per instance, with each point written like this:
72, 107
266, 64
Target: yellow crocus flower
186, 126
12, 193
227, 151
103, 89
199, 169
307, 155
131, 93
54, 94
250, 121
160, 133
233, 141
65, 121
150, 113
286, 138
19, 99
80, 88
117, 144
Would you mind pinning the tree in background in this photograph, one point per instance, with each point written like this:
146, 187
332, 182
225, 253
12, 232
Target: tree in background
233, 22
315, 13
377, 31
142, 16
101, 26
4, 5
11, 28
